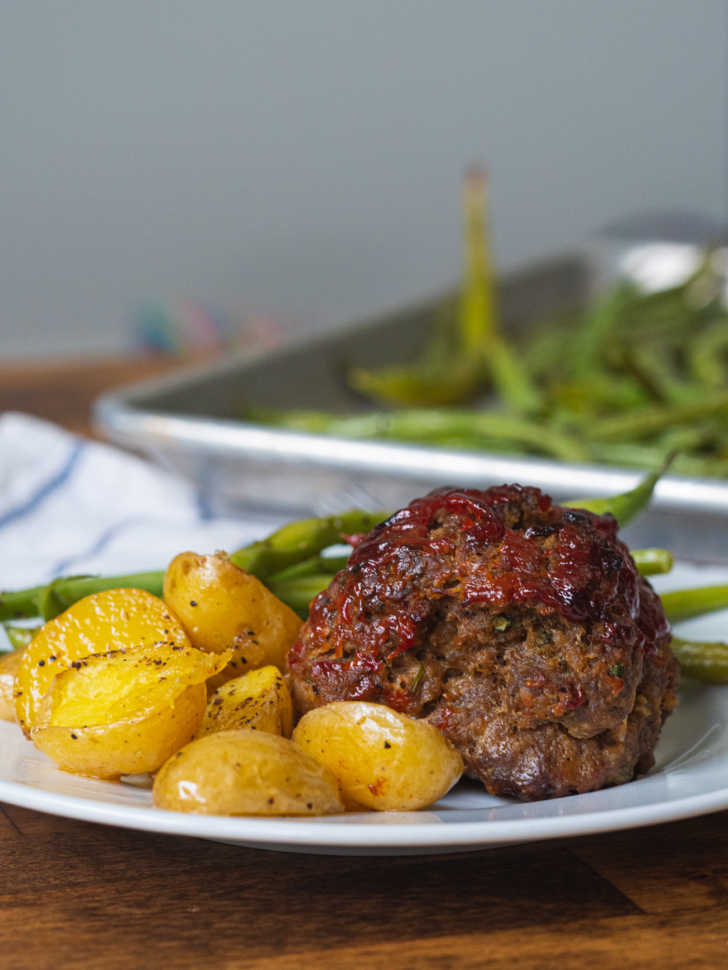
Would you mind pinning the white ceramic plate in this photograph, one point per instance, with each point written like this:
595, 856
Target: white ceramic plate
690, 778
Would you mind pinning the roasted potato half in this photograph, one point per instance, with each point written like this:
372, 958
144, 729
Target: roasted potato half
124, 712
116, 619
383, 759
222, 607
9, 663
246, 772
259, 700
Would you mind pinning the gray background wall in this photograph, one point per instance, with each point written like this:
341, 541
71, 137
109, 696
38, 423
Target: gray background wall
305, 158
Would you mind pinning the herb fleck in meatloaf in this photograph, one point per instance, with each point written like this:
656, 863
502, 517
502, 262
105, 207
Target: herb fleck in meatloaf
520, 628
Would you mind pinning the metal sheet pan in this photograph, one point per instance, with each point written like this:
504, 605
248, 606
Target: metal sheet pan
190, 422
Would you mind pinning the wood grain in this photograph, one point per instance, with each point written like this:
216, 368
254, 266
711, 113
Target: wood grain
77, 895
63, 391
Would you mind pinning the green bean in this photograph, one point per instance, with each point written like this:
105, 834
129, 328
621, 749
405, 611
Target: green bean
302, 539
480, 333
702, 661
652, 562
50, 600
600, 321
706, 363
431, 425
677, 301
685, 603
443, 340
20, 604
656, 419
626, 453
543, 351
511, 379
658, 377
627, 505
590, 397
477, 309
687, 438
426, 384
298, 593
315, 565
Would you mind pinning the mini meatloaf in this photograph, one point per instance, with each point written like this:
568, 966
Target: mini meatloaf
519, 628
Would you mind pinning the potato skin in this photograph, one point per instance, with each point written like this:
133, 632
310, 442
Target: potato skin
223, 607
130, 747
115, 619
383, 759
259, 700
245, 772
9, 663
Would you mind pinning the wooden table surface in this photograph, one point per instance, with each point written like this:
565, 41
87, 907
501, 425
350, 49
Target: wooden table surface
82, 895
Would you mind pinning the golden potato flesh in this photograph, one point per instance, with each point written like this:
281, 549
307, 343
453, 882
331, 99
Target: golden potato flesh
9, 663
383, 759
124, 712
223, 607
115, 619
131, 747
246, 772
259, 700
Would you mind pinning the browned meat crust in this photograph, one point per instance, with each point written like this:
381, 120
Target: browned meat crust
520, 628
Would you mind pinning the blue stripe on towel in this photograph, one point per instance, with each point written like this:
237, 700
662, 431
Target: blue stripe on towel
204, 504
98, 545
48, 487
204, 507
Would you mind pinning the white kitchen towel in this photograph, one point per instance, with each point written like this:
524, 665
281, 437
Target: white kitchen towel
69, 505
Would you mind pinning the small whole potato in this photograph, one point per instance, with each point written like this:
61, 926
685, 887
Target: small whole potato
382, 759
222, 607
259, 700
245, 772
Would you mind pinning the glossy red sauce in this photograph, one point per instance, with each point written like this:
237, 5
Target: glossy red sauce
459, 542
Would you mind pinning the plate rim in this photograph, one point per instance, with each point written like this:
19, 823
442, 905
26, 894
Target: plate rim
275, 832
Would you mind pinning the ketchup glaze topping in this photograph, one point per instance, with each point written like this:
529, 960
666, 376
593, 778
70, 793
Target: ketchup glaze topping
497, 547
